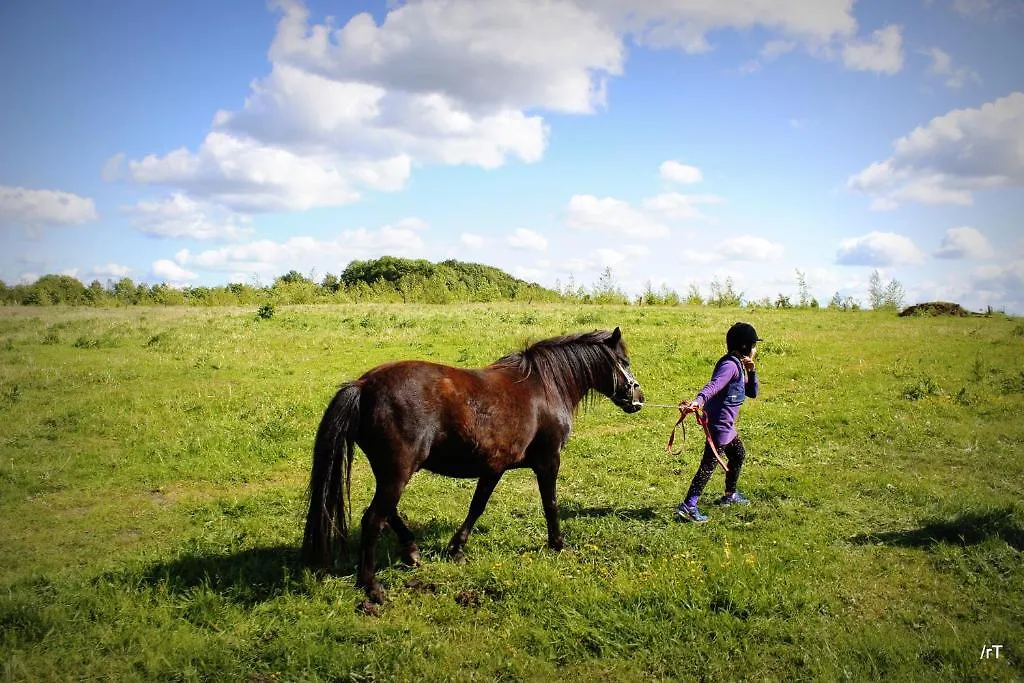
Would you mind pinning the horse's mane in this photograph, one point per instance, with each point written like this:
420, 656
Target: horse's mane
567, 365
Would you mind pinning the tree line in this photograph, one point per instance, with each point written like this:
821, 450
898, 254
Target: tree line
391, 279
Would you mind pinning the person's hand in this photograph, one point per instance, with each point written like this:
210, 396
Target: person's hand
689, 407
748, 363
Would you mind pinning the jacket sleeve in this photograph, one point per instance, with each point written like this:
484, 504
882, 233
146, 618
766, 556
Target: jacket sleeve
724, 373
752, 384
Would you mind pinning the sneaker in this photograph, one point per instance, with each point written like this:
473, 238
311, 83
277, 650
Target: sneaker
734, 498
690, 513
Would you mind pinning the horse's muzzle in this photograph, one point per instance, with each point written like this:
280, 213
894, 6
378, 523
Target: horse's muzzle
631, 401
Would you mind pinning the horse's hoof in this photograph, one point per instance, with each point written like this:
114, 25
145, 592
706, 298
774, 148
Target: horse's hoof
457, 556
368, 608
557, 544
377, 594
412, 557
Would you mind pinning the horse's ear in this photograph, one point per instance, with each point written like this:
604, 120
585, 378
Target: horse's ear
613, 341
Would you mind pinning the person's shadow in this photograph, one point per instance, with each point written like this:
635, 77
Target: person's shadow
965, 529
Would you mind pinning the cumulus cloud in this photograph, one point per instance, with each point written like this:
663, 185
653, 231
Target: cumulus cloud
685, 25
170, 271
622, 260
246, 175
471, 240
110, 270
987, 10
952, 156
268, 258
676, 172
180, 216
882, 52
350, 109
942, 67
964, 243
37, 209
527, 239
878, 249
675, 205
588, 213
738, 248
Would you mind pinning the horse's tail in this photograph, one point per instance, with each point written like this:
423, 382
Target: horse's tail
330, 482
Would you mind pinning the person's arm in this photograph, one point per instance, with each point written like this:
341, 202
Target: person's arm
751, 386
723, 374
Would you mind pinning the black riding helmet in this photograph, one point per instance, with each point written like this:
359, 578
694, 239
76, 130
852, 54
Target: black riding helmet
741, 337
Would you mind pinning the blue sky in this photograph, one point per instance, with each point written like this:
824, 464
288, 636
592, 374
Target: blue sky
677, 142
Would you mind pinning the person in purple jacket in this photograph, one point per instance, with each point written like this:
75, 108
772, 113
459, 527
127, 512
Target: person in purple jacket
733, 380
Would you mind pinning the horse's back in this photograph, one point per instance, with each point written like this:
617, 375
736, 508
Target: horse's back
458, 422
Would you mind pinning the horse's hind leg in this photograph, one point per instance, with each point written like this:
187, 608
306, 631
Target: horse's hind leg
484, 489
382, 508
410, 551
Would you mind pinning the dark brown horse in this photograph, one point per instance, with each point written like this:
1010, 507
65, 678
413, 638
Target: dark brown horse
412, 415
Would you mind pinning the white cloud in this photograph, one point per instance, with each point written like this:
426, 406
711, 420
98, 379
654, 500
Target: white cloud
527, 239
110, 270
352, 108
676, 172
472, 241
684, 25
179, 216
987, 10
509, 55
739, 248
588, 266
588, 213
314, 115
246, 175
964, 243
171, 271
999, 286
882, 52
942, 67
36, 209
674, 205
114, 168
878, 249
952, 156
1008, 277
268, 258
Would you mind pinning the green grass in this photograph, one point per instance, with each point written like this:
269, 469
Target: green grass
153, 465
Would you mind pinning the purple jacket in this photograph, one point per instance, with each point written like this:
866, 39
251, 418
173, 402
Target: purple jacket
723, 396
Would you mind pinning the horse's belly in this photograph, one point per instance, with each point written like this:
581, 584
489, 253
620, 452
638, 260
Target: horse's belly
453, 466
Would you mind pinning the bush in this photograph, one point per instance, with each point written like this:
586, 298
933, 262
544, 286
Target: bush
266, 312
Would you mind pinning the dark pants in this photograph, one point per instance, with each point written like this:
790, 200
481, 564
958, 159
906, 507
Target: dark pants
734, 454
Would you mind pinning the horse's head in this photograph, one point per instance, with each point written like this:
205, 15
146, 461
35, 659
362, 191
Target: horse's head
625, 390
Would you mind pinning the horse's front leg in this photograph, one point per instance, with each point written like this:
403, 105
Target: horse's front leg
484, 489
547, 475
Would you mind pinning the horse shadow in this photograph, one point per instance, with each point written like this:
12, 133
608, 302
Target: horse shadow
965, 529
568, 509
255, 575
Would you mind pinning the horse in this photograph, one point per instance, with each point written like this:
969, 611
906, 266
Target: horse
478, 423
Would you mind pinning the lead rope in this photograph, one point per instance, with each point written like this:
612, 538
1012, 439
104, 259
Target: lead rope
702, 420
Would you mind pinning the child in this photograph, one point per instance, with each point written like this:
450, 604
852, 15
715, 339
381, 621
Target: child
733, 379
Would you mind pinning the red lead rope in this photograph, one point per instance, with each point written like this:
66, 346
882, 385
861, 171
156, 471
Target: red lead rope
702, 420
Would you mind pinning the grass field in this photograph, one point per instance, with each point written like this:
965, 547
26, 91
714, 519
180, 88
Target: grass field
153, 465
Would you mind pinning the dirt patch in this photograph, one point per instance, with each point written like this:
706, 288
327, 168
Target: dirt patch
421, 585
468, 598
937, 308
